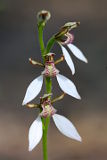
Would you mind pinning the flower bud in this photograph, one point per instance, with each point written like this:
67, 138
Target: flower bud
66, 28
43, 16
71, 25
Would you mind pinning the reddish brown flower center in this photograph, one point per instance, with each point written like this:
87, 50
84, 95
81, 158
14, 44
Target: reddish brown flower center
48, 109
50, 69
66, 39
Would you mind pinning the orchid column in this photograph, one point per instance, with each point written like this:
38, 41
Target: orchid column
39, 127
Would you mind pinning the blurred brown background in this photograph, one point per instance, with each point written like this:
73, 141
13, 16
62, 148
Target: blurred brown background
18, 42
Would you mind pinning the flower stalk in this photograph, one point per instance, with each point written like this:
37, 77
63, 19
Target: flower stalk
45, 123
48, 85
41, 42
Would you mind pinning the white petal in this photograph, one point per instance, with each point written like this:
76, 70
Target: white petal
35, 133
66, 127
68, 59
67, 86
33, 89
77, 53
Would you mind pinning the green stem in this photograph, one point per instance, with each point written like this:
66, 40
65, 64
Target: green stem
50, 44
41, 42
44, 137
48, 83
46, 121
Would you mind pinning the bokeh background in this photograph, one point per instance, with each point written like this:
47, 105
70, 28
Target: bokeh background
18, 42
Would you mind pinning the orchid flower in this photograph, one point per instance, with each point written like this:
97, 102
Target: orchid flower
68, 41
50, 70
63, 124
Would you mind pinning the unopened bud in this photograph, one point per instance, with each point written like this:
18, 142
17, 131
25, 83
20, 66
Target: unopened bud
43, 16
66, 28
71, 25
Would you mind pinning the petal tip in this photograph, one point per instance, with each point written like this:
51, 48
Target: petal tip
23, 103
79, 139
86, 61
29, 149
73, 72
79, 97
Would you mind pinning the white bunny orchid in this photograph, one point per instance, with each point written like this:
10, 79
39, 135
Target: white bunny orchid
64, 32
65, 84
63, 124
